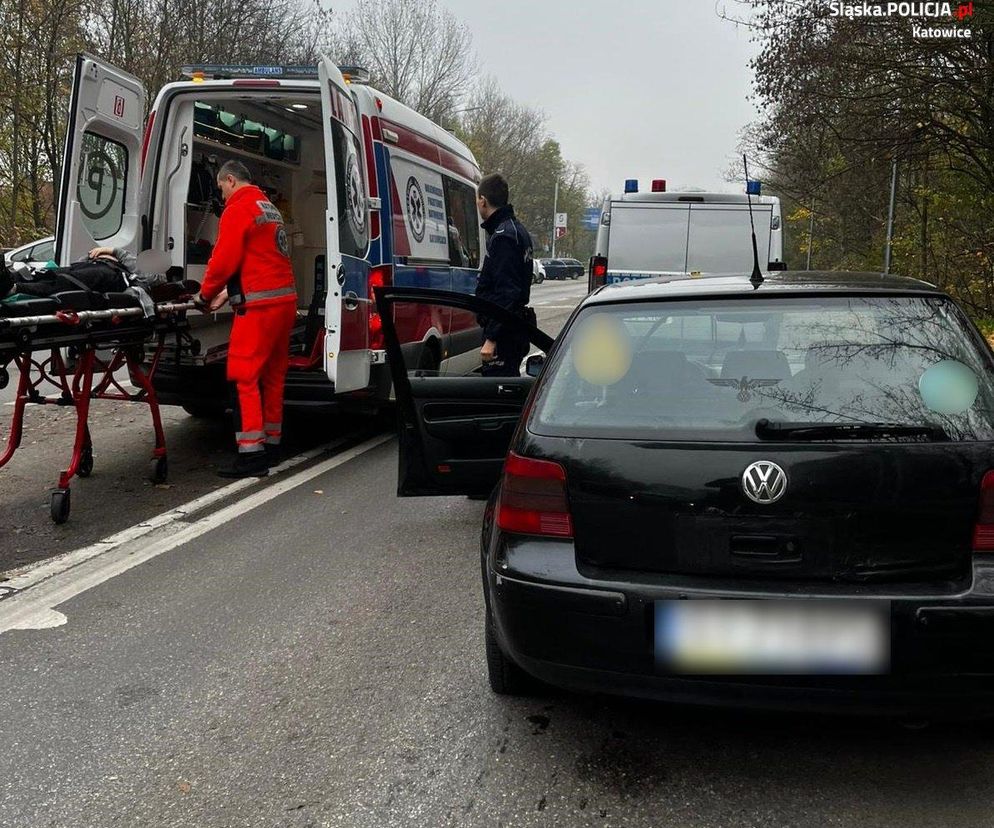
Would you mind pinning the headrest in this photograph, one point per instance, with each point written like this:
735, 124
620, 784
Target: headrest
755, 365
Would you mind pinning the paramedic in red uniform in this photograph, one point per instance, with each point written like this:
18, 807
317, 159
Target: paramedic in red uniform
250, 268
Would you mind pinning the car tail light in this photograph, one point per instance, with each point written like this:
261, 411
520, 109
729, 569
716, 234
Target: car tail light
533, 498
598, 271
148, 135
378, 277
983, 530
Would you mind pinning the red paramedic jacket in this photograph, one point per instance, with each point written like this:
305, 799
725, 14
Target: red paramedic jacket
252, 243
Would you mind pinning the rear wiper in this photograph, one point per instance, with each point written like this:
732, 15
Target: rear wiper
777, 430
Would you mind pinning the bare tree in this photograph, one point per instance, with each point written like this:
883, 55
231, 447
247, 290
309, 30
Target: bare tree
415, 52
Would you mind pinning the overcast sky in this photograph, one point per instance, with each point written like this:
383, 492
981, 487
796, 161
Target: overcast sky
633, 88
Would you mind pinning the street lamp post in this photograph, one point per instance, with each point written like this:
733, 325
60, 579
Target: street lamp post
555, 213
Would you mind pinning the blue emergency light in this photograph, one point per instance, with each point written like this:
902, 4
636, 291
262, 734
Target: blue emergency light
754, 188
631, 185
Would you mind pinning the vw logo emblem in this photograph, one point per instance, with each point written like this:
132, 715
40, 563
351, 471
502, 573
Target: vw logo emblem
764, 482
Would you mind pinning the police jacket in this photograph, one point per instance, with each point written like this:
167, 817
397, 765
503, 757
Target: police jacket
251, 244
506, 275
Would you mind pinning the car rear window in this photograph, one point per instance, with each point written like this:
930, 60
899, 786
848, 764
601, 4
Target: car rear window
711, 369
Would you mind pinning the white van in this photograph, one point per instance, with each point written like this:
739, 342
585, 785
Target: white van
372, 193
659, 233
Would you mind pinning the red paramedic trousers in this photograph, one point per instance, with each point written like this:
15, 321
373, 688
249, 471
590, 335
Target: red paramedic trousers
258, 356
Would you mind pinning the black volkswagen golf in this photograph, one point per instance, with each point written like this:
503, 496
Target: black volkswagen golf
711, 490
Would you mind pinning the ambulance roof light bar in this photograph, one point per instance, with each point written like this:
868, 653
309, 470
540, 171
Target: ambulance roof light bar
227, 71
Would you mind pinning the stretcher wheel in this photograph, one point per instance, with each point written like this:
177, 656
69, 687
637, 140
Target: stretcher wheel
85, 463
4, 377
160, 470
60, 505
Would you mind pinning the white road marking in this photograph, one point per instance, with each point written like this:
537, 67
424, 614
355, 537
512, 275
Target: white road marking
21, 579
54, 582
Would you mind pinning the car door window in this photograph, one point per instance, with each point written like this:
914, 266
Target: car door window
43, 252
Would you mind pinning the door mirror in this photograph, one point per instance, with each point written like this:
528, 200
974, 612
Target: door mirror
533, 365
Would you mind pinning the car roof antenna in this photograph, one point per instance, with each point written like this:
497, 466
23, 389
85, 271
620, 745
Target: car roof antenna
757, 274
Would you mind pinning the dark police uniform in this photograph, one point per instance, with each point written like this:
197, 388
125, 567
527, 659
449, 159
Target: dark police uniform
505, 280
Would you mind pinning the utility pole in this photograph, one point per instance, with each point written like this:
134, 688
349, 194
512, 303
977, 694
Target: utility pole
555, 212
890, 216
811, 232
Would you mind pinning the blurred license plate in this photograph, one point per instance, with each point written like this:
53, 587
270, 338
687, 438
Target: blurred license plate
795, 637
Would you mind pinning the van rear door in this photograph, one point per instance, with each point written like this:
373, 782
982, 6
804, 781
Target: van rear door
719, 239
98, 193
345, 218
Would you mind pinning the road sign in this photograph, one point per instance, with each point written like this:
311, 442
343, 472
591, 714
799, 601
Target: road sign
560, 219
560, 231
591, 218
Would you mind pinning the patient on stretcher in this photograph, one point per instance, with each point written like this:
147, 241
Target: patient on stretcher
104, 270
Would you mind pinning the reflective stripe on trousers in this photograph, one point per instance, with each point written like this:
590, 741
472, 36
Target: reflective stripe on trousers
249, 441
274, 431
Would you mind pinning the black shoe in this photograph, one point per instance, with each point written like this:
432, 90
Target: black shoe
274, 455
247, 464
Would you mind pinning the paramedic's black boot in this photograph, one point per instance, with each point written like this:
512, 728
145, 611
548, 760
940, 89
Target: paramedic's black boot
247, 464
274, 455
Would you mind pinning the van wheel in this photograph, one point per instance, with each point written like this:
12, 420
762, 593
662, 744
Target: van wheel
506, 677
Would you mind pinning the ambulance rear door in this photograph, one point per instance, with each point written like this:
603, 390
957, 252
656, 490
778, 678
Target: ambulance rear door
101, 173
346, 354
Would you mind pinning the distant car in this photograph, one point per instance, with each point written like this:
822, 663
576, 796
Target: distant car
562, 268
34, 254
712, 490
538, 272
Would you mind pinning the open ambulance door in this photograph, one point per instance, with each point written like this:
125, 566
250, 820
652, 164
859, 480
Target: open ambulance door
345, 217
101, 173
454, 429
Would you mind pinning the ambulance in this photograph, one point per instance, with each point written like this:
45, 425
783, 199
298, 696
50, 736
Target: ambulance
371, 193
660, 233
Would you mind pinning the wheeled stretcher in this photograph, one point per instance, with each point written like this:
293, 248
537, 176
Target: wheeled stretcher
71, 345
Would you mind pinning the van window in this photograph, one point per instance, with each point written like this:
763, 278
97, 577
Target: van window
353, 234
464, 233
711, 369
100, 190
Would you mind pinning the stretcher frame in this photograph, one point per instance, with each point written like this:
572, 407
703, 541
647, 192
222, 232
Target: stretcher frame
33, 344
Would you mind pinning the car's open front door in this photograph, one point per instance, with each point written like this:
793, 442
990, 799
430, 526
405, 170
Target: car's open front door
455, 425
101, 173
346, 355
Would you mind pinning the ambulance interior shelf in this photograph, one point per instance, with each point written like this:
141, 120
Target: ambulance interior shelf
244, 137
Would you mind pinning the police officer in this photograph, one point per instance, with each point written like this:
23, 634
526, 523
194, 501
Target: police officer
505, 278
250, 268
